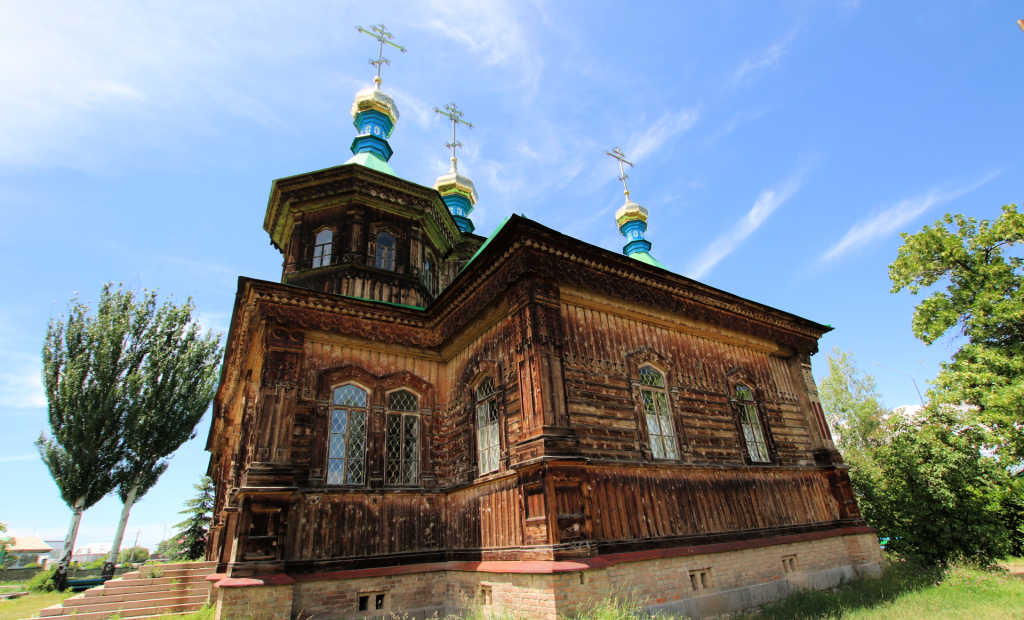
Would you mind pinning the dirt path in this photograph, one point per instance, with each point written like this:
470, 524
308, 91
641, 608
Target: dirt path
1016, 567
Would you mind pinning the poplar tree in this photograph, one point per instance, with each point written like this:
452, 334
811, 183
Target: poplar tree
173, 388
88, 362
121, 385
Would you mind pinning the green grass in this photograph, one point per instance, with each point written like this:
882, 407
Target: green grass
908, 592
30, 604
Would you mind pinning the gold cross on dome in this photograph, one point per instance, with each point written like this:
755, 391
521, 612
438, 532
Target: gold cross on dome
616, 153
381, 33
454, 114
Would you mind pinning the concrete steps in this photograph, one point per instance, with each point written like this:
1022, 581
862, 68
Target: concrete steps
169, 589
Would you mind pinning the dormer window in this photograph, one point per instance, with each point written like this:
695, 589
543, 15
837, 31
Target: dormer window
385, 251
322, 248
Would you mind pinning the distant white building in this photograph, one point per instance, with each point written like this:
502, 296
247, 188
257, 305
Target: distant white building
90, 553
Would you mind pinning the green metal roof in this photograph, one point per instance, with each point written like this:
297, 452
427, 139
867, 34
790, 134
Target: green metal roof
371, 161
487, 241
645, 257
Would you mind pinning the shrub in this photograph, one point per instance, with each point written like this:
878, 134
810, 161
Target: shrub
42, 581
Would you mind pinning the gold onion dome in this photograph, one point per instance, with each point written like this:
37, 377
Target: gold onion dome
373, 98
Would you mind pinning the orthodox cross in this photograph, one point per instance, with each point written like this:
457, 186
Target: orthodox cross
616, 153
454, 114
381, 33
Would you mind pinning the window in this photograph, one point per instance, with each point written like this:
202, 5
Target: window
488, 443
385, 251
346, 452
427, 276
401, 459
750, 423
660, 429
322, 248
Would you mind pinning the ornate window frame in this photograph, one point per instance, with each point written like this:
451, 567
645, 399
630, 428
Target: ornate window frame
644, 396
487, 424
755, 436
353, 468
402, 427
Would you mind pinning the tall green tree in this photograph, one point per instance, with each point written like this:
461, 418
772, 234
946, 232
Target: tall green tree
849, 399
90, 362
191, 538
983, 298
164, 401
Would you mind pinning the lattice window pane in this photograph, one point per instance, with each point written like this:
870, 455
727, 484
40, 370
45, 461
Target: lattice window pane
350, 395
744, 393
411, 454
651, 377
393, 450
338, 419
355, 471
403, 400
385, 251
485, 389
337, 447
335, 471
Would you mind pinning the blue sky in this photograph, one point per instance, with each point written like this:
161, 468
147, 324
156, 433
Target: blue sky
780, 148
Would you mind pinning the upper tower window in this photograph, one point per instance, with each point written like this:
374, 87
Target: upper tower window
346, 452
385, 251
402, 455
660, 429
488, 442
322, 248
750, 422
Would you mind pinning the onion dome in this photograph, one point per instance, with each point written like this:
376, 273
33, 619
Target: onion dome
632, 221
459, 194
374, 115
631, 218
457, 190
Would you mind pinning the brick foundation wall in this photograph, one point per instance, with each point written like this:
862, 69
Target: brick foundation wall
697, 581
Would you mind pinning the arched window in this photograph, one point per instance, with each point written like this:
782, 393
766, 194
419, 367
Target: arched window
385, 251
322, 248
658, 414
346, 452
488, 442
750, 423
402, 454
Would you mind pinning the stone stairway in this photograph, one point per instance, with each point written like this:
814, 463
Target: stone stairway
153, 591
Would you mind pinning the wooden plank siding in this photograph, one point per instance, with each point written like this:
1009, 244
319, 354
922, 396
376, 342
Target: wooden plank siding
597, 488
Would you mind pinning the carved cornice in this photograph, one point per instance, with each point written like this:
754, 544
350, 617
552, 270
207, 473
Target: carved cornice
351, 182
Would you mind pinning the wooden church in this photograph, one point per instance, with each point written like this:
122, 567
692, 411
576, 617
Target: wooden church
418, 419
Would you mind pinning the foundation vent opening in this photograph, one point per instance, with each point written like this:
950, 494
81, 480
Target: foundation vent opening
700, 579
789, 564
486, 595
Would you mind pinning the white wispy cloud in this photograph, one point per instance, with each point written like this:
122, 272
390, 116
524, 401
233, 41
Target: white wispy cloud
81, 79
494, 31
768, 201
663, 130
767, 58
898, 215
21, 384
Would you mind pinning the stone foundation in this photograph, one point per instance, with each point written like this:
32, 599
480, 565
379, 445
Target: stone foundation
696, 581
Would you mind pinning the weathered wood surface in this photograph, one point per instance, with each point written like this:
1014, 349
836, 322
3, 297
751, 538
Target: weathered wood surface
576, 469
